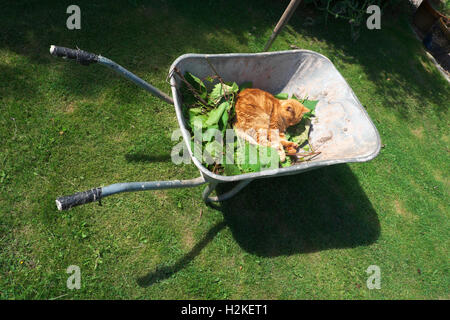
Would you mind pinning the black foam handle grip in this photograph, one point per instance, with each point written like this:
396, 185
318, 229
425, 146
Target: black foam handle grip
67, 202
83, 57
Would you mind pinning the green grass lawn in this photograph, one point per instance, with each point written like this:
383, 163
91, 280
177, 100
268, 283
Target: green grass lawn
67, 128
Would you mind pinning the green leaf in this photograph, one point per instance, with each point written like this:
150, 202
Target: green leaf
282, 96
287, 162
224, 121
287, 135
210, 133
300, 132
194, 112
214, 149
198, 122
190, 113
215, 114
216, 94
310, 104
234, 87
188, 96
249, 157
309, 115
219, 91
197, 84
246, 156
271, 157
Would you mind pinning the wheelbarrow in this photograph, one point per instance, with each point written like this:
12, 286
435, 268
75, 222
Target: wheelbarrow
341, 130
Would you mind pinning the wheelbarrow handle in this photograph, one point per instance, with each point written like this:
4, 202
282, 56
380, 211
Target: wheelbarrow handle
67, 202
83, 57
79, 198
86, 58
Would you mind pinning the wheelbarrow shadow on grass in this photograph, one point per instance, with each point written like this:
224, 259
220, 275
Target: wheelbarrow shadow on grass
313, 211
309, 212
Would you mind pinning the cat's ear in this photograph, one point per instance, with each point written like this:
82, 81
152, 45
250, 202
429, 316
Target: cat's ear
305, 110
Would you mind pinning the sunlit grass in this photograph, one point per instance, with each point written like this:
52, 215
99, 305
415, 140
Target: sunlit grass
67, 128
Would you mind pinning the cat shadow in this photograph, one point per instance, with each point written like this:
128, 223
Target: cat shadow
309, 212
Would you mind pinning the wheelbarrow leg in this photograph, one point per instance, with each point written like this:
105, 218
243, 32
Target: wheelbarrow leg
212, 185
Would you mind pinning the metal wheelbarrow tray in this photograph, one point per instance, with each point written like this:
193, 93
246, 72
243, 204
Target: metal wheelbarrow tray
342, 130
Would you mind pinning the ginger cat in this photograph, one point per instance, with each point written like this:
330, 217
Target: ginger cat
263, 119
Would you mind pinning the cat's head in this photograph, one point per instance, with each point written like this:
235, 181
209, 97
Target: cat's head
292, 111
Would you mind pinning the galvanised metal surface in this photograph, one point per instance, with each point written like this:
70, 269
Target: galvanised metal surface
131, 76
342, 130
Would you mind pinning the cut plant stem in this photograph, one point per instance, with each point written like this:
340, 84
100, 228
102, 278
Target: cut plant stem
302, 155
190, 87
220, 79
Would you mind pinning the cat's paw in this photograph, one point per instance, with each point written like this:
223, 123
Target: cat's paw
292, 147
